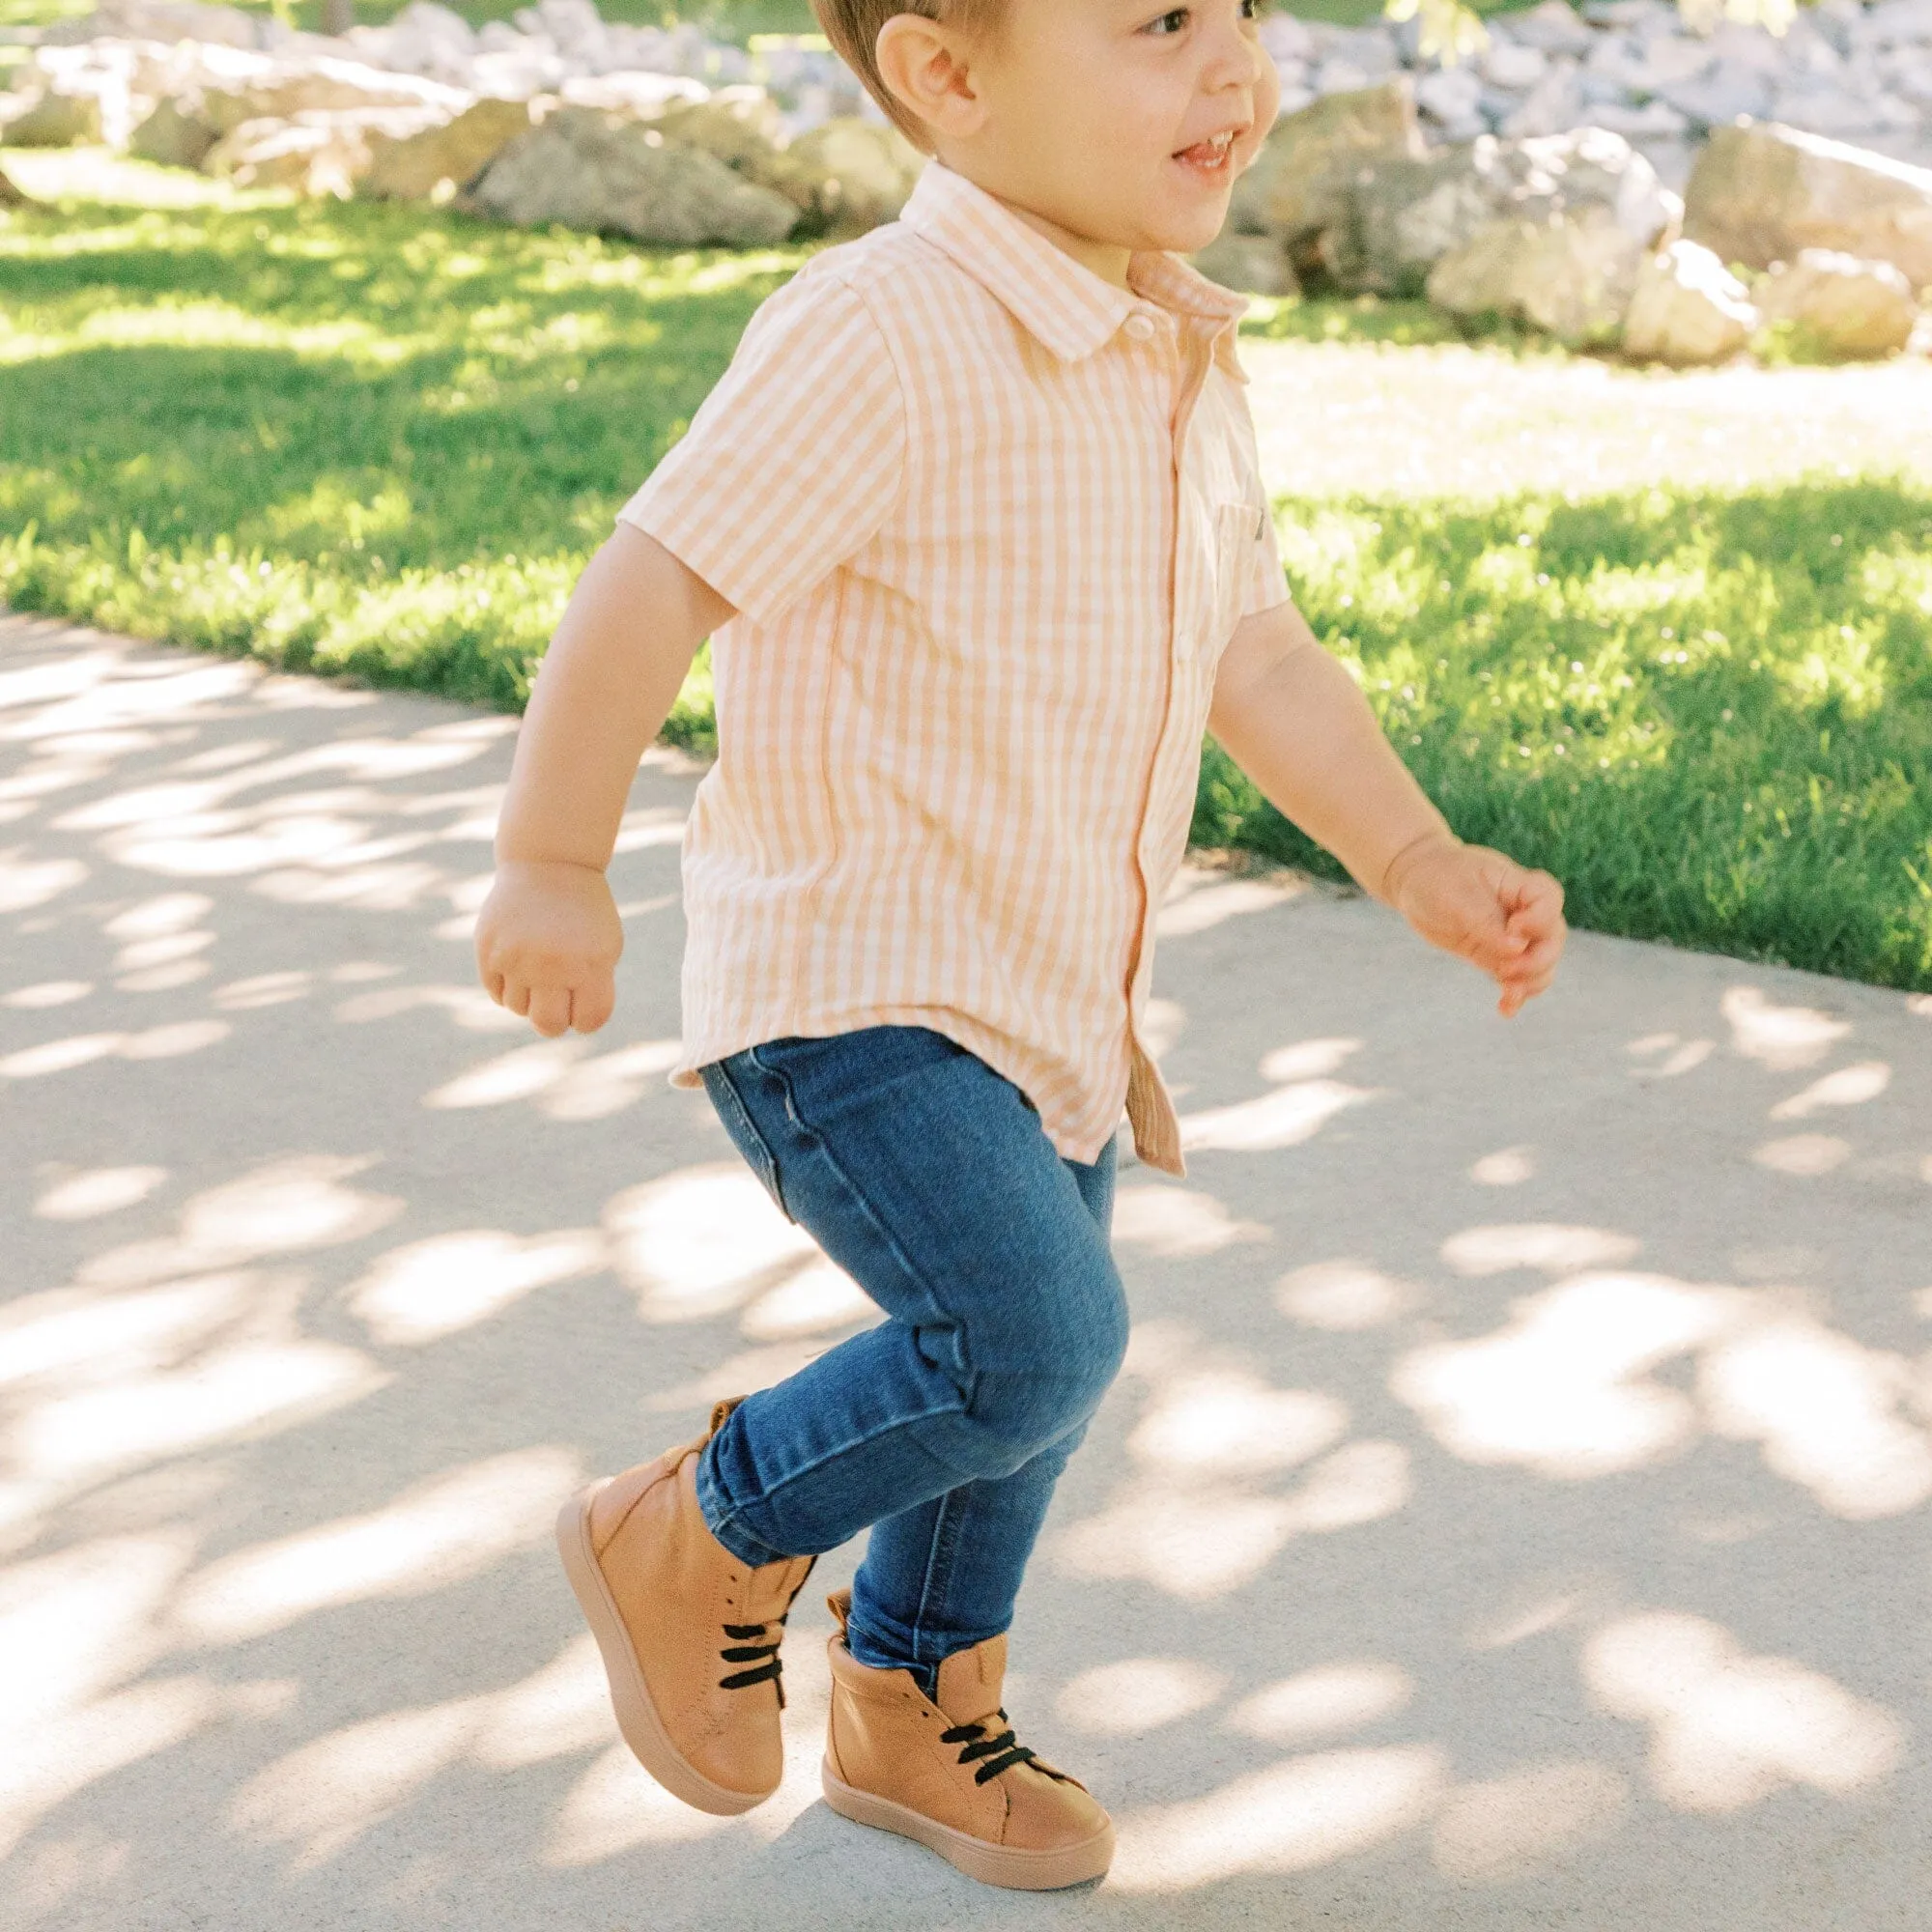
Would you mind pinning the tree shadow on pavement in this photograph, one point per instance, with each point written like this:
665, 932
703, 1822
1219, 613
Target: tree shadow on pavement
1510, 1512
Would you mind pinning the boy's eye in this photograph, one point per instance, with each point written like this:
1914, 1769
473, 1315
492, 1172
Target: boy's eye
1172, 22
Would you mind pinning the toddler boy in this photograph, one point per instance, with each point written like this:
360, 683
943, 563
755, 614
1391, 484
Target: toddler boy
975, 523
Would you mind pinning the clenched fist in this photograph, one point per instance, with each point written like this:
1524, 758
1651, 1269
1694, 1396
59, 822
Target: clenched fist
548, 940
1484, 907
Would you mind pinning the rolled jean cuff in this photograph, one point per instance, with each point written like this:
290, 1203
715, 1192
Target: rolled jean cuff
720, 1515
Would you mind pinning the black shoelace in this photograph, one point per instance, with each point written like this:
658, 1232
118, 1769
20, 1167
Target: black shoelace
772, 1671
980, 1745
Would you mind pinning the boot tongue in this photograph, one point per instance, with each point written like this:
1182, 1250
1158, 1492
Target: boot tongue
970, 1682
769, 1590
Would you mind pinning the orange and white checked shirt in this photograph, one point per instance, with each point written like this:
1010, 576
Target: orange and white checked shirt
989, 522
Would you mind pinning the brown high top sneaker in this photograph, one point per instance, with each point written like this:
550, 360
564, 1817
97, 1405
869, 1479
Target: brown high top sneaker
679, 1619
949, 1774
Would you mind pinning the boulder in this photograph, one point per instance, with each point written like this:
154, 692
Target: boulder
1553, 106
1297, 187
1839, 306
53, 120
1255, 265
1452, 98
163, 21
325, 86
1404, 214
589, 170
1720, 98
433, 162
1763, 194
636, 95
741, 125
846, 175
1687, 308
315, 154
1552, 28
1574, 277
174, 136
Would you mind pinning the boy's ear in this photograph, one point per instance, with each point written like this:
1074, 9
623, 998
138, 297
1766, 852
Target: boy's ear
926, 67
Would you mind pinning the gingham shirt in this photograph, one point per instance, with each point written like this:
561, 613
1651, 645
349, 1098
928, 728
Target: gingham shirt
989, 522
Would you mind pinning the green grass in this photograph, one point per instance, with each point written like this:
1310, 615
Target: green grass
382, 441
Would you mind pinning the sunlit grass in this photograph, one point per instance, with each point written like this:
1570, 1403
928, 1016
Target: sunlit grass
1685, 669
1709, 714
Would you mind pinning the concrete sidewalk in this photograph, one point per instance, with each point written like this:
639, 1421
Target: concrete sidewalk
1513, 1513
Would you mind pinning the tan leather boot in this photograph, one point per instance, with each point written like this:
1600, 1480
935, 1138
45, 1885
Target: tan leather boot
673, 1612
951, 1774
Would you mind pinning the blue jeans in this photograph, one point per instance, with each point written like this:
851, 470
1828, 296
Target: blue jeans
928, 1176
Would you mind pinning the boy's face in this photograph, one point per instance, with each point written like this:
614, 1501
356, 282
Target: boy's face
1119, 122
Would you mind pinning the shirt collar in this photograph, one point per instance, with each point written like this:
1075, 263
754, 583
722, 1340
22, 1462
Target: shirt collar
1069, 310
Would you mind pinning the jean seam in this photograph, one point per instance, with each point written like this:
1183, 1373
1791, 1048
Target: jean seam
857, 1194
770, 1165
939, 1557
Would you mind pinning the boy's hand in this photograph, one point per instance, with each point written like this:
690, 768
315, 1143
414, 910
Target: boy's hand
1487, 909
548, 939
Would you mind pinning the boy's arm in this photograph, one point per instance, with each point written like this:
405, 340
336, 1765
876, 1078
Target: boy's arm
548, 936
1290, 715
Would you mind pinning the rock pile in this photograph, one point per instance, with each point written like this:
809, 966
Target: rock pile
1659, 74
557, 116
1577, 235
1535, 181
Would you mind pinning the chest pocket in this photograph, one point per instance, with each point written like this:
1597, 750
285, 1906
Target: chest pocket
1238, 527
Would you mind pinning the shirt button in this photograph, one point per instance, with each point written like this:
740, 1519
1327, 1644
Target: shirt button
1140, 327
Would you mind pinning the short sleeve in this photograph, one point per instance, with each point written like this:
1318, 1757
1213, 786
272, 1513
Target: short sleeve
794, 461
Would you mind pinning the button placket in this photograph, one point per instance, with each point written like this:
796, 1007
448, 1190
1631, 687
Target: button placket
1139, 971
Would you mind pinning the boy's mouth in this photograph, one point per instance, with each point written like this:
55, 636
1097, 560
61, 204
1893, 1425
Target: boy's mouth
1211, 159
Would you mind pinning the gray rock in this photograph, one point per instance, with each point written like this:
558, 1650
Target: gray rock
1723, 96
1298, 185
1687, 308
1840, 307
1822, 107
325, 86
1553, 106
1574, 277
636, 96
1504, 64
1900, 23
54, 121
1668, 60
1449, 93
1762, 194
1287, 39
588, 170
433, 162
1654, 119
846, 175
317, 152
1553, 28
738, 125
163, 20
1255, 265
1404, 215
174, 136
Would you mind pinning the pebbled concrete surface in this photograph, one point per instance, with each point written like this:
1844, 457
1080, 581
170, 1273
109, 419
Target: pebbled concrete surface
1513, 1513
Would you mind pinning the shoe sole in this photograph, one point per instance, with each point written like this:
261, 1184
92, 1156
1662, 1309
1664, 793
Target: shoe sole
1020, 1868
629, 1696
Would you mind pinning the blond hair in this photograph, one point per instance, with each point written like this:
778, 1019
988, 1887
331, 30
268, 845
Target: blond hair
852, 26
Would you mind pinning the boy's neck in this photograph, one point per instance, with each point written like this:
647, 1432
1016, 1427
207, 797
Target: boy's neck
1106, 259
